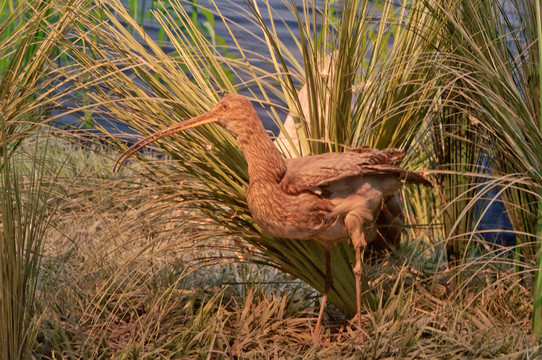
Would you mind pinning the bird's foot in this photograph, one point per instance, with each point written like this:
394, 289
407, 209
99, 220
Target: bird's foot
358, 328
356, 321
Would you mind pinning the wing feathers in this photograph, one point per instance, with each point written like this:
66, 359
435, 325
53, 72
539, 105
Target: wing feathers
308, 172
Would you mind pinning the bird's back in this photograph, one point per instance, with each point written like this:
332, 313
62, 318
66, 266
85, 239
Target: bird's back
310, 172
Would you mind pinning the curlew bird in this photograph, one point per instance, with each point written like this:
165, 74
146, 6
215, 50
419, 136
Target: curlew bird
326, 197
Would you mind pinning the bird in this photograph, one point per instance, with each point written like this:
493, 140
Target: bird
325, 197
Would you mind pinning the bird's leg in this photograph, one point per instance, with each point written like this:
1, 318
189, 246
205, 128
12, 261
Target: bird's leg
354, 225
327, 285
358, 270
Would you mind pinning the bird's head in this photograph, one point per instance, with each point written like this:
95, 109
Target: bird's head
232, 113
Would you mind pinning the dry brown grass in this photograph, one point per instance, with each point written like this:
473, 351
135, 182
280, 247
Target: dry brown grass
131, 272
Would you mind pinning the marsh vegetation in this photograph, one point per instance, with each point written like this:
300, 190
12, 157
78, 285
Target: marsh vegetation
163, 260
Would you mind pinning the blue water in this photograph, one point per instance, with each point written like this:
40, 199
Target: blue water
238, 13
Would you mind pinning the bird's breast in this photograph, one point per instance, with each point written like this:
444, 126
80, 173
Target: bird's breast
301, 216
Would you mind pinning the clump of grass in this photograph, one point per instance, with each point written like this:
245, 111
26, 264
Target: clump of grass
490, 53
24, 217
30, 34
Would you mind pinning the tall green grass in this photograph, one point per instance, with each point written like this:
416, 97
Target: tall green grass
491, 51
29, 37
25, 216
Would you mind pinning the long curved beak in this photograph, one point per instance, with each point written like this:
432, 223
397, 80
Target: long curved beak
197, 121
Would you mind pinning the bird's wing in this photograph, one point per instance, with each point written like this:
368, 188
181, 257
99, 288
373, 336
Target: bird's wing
308, 172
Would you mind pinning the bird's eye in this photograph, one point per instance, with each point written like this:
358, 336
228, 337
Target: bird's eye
225, 106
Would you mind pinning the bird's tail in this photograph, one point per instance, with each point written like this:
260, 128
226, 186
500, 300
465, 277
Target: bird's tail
413, 177
386, 156
408, 176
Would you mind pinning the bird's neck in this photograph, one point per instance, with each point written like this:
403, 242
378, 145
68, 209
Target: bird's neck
264, 160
